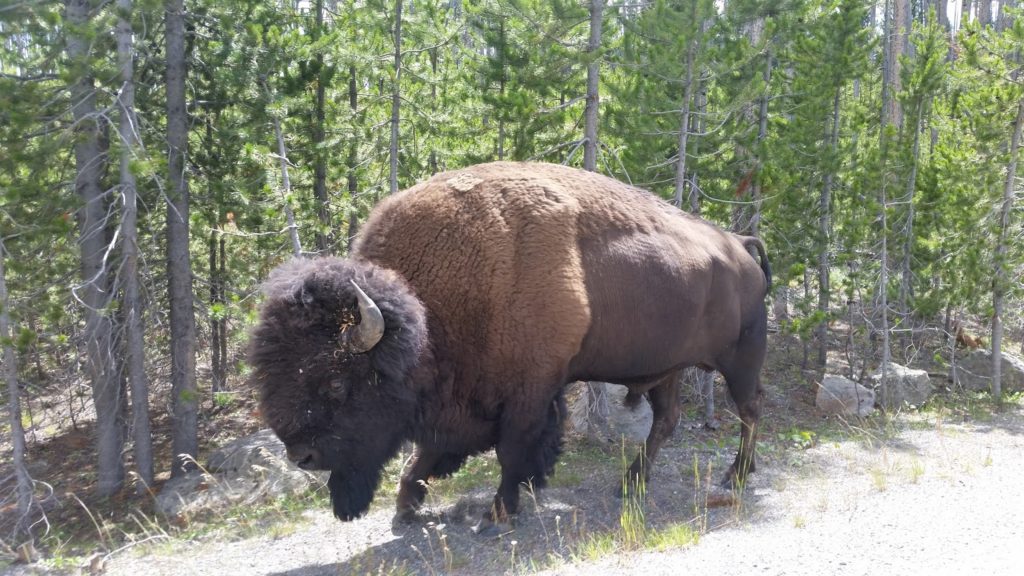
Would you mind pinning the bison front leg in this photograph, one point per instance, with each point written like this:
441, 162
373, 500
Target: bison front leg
527, 452
424, 463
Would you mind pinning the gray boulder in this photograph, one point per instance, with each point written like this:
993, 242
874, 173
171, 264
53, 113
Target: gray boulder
610, 420
906, 386
841, 396
246, 471
974, 372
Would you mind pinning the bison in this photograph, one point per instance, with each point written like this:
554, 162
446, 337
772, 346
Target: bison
470, 300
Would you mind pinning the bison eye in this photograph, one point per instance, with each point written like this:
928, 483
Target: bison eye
337, 385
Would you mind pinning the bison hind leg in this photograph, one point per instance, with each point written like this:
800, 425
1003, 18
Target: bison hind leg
632, 399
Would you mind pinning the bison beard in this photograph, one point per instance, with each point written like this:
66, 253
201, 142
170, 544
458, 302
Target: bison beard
496, 286
352, 492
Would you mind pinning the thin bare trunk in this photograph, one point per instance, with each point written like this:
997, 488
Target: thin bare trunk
965, 12
1005, 20
353, 182
895, 46
325, 235
942, 13
985, 12
10, 368
432, 158
185, 396
906, 266
501, 90
132, 308
286, 183
684, 123
597, 392
999, 281
693, 176
825, 230
762, 133
396, 99
90, 162
590, 114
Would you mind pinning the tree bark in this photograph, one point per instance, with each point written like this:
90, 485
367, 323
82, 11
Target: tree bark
825, 230
325, 235
286, 182
90, 163
684, 120
1004, 20
906, 269
762, 133
132, 307
597, 392
185, 396
353, 159
942, 13
895, 46
999, 281
23, 486
396, 99
985, 12
590, 115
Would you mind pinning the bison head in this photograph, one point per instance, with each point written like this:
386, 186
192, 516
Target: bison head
332, 355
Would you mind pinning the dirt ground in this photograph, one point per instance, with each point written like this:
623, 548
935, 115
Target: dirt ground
932, 492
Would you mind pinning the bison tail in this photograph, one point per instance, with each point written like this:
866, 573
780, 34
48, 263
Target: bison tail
766, 267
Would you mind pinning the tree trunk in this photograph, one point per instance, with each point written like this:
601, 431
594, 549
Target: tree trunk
942, 13
985, 12
23, 485
684, 122
1005, 20
432, 157
185, 396
396, 99
353, 159
906, 266
825, 230
895, 46
762, 133
965, 12
999, 281
590, 116
90, 162
286, 182
325, 234
597, 392
132, 307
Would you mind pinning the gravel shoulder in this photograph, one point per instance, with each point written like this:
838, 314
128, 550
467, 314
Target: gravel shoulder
920, 494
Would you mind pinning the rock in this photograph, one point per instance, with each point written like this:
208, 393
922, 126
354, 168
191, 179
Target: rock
612, 420
245, 472
906, 386
841, 396
974, 372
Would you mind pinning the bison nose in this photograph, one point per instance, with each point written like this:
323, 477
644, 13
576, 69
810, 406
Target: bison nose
304, 456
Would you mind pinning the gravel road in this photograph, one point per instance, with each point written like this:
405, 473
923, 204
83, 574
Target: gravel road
929, 496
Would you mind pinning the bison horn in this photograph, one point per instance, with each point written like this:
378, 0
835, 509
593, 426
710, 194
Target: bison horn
370, 330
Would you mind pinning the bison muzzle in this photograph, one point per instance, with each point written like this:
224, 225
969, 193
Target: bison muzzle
470, 301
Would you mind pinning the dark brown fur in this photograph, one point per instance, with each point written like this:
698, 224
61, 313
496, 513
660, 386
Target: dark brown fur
499, 284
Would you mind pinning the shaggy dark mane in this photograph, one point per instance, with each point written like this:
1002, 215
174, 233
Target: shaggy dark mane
316, 292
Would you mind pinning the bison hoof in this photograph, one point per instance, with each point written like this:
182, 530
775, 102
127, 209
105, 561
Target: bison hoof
488, 528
